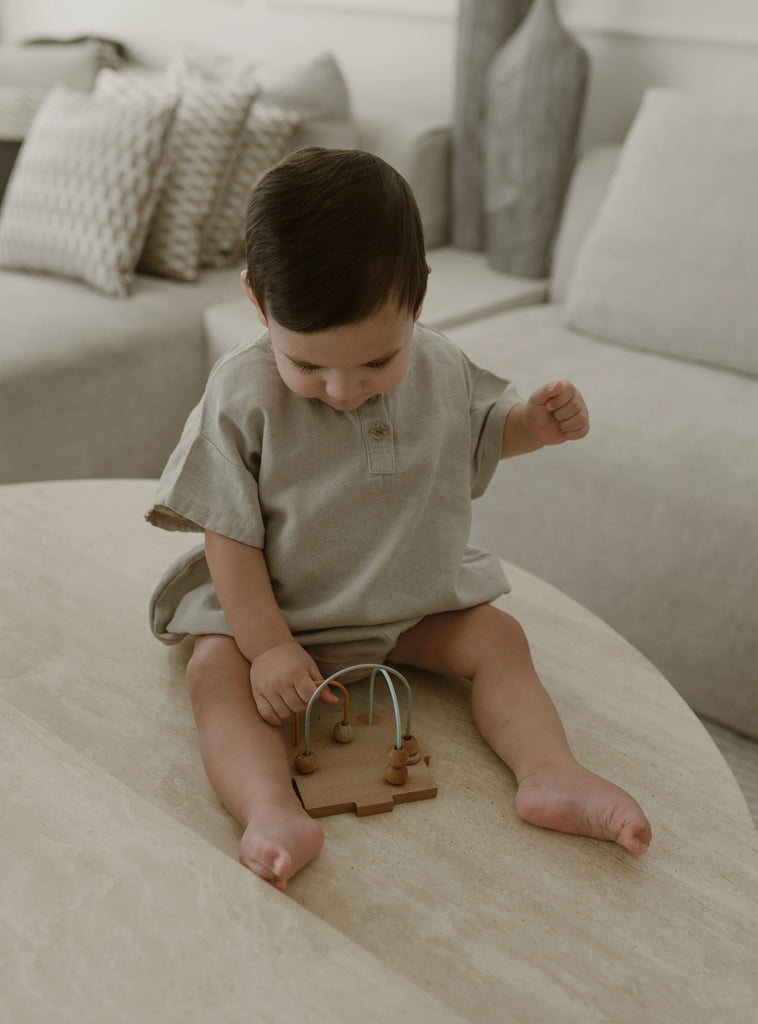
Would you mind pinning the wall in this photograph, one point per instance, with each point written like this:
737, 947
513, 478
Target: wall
401, 53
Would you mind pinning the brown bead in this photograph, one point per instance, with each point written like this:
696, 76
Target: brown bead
395, 776
343, 732
410, 743
306, 763
397, 758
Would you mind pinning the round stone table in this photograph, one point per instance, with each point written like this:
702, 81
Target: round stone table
122, 898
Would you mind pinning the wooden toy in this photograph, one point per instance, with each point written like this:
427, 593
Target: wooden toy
366, 765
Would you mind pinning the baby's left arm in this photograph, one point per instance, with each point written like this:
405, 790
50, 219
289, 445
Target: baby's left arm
553, 414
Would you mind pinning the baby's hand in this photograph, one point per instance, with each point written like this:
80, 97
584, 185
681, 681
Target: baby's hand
556, 413
283, 679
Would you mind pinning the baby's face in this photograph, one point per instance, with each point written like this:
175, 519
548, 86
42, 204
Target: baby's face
345, 366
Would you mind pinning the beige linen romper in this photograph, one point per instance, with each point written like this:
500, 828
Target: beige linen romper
363, 516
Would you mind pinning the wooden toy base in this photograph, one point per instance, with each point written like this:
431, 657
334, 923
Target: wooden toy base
350, 776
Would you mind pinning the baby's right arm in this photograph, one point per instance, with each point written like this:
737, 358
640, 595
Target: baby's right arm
283, 676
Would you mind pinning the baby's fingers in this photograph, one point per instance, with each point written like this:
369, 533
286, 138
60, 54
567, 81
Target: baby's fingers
272, 709
569, 411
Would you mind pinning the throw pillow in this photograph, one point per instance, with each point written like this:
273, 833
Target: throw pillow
669, 264
84, 186
315, 90
266, 137
534, 98
48, 64
298, 104
209, 118
18, 105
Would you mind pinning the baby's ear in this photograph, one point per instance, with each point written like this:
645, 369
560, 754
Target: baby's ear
251, 296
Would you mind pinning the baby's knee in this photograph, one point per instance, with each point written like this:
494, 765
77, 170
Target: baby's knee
210, 657
497, 631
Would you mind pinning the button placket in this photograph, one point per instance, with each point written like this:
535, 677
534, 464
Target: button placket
377, 436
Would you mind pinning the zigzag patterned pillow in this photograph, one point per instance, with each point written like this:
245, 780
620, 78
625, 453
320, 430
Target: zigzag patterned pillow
18, 107
84, 186
209, 119
267, 136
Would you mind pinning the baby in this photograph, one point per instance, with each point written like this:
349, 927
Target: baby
331, 465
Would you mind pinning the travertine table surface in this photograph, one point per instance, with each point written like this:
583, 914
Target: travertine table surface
122, 899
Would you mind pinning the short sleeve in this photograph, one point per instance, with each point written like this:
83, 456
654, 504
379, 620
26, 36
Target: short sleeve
492, 398
210, 480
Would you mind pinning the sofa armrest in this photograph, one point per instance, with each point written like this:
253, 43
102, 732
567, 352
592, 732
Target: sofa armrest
420, 150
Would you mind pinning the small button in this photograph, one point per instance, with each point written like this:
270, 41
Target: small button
379, 431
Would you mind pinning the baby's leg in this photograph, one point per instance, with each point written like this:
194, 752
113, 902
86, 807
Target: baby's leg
517, 718
246, 762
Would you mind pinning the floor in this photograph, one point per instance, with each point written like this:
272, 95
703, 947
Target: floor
741, 755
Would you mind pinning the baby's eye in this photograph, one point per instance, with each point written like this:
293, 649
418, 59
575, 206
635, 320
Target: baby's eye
305, 367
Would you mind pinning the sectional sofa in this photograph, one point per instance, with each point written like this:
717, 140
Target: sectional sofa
651, 522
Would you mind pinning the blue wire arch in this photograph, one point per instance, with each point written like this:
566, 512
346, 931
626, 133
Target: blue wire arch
386, 671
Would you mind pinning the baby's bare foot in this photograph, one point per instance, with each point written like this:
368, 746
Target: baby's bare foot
573, 799
278, 841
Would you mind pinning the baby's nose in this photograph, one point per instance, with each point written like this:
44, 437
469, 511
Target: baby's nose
342, 386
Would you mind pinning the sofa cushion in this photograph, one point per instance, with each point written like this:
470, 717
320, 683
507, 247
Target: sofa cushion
650, 520
83, 188
669, 265
94, 386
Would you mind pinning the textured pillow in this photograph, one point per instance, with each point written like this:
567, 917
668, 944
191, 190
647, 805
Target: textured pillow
298, 104
83, 188
534, 97
267, 136
18, 105
209, 118
670, 263
315, 90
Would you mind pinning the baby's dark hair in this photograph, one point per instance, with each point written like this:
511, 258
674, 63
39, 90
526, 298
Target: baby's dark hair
331, 236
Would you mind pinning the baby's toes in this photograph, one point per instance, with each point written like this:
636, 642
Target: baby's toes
635, 832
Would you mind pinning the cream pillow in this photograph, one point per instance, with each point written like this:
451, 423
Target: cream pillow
43, 65
209, 119
670, 263
84, 186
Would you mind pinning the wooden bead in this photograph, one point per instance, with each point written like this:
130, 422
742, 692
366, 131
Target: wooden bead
397, 758
342, 732
395, 776
410, 743
306, 763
